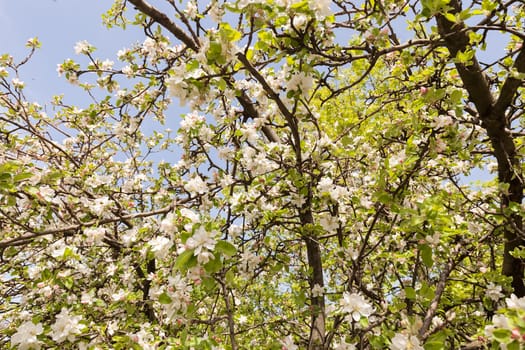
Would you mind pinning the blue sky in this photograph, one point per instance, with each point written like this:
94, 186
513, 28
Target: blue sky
58, 24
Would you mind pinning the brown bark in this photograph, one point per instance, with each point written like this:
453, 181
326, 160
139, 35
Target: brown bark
492, 113
318, 319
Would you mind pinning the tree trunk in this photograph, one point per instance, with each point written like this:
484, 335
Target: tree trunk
317, 325
492, 113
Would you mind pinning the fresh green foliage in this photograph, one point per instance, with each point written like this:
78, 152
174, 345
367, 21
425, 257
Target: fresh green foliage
319, 194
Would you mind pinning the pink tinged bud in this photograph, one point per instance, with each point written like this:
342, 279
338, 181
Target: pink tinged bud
423, 90
482, 339
515, 334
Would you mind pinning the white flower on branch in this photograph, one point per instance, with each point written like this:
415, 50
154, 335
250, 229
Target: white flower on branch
404, 341
356, 306
196, 186
288, 343
202, 242
66, 326
26, 336
160, 246
82, 47
301, 82
95, 234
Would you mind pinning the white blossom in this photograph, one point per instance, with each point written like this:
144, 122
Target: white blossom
317, 290
196, 185
26, 336
17, 83
299, 21
149, 46
167, 225
191, 120
343, 345
202, 242
288, 343
82, 47
160, 246
355, 305
128, 71
515, 303
498, 321
493, 292
321, 8
301, 82
97, 180
328, 222
442, 121
191, 9
46, 192
87, 298
249, 261
66, 326
405, 342
106, 64
234, 230
100, 206
95, 234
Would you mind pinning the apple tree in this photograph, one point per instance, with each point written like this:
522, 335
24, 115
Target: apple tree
318, 194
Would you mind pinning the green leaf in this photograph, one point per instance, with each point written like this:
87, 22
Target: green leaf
501, 335
410, 293
214, 53
450, 17
363, 322
225, 248
209, 283
228, 33
68, 253
426, 255
68, 282
46, 275
213, 265
489, 5
514, 346
465, 57
192, 65
456, 96
434, 345
301, 6
184, 260
438, 338
22, 176
5, 175
230, 277
164, 299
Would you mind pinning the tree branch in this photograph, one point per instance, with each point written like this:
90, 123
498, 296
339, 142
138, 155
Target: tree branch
511, 85
162, 19
27, 238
